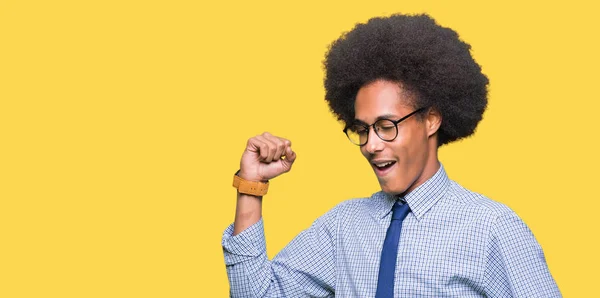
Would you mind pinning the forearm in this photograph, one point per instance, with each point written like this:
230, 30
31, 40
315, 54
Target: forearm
250, 272
248, 211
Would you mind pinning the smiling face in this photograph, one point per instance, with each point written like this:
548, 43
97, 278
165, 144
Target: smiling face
409, 160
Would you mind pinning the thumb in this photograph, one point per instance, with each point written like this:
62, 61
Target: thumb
290, 157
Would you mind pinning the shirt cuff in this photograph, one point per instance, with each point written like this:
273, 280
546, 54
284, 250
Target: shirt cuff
246, 245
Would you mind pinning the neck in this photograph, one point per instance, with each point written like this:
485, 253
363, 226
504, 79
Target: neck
432, 165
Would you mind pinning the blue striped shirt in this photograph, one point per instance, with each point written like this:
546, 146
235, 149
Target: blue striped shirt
454, 243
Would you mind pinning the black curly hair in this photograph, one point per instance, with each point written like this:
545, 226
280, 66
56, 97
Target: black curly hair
427, 59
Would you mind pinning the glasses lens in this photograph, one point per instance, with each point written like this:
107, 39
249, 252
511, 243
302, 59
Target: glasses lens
357, 134
386, 129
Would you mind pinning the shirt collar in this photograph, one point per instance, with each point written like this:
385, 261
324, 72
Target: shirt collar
420, 200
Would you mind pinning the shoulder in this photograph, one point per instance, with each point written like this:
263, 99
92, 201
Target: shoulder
350, 206
345, 213
359, 207
500, 218
476, 201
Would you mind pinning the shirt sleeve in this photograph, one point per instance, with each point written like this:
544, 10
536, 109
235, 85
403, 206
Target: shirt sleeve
305, 267
516, 266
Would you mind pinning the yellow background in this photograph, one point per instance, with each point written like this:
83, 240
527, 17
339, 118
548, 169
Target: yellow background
122, 122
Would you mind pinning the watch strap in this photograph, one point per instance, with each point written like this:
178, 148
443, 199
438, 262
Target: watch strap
255, 188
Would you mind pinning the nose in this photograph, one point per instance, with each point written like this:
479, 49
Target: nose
374, 143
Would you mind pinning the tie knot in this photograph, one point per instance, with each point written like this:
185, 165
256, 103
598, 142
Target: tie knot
399, 211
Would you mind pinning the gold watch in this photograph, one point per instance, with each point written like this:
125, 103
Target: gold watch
254, 188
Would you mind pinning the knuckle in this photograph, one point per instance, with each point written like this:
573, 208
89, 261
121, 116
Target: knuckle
263, 149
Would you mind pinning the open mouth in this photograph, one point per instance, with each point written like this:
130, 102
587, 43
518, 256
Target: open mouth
382, 166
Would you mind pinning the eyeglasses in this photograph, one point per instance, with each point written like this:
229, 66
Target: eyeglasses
385, 129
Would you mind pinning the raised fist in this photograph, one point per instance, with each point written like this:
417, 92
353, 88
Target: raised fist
266, 157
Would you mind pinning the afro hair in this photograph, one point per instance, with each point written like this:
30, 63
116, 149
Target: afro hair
413, 50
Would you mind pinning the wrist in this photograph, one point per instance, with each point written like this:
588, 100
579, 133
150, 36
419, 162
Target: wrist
249, 177
249, 187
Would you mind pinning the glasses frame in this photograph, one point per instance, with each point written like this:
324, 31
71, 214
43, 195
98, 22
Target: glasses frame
368, 127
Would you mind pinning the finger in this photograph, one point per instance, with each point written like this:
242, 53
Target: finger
287, 142
270, 150
276, 139
283, 144
290, 157
280, 149
258, 146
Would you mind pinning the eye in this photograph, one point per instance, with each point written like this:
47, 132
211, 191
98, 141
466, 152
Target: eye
385, 126
358, 129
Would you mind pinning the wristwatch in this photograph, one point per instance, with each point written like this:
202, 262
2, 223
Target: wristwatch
254, 188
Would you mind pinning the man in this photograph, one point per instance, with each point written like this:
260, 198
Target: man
403, 86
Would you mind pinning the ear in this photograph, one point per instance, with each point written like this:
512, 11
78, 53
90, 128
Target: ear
433, 120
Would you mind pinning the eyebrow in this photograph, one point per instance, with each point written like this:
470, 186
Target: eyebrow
385, 116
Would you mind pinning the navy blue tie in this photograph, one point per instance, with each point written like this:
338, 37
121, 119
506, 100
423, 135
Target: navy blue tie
387, 266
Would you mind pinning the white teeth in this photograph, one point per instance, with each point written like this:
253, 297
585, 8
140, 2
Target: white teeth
381, 165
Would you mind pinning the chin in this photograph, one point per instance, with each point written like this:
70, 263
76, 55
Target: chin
392, 189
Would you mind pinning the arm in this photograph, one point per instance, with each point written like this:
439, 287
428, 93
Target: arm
305, 266
266, 157
516, 266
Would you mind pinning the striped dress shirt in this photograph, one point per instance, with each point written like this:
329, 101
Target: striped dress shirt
454, 243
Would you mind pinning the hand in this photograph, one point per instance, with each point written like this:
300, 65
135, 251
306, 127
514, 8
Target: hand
266, 157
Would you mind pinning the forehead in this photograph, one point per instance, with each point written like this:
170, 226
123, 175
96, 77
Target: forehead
381, 98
